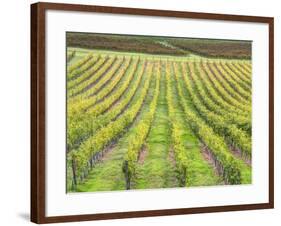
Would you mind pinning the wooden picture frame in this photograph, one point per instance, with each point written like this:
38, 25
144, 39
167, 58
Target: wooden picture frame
38, 109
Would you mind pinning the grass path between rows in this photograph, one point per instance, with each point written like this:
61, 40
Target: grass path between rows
75, 59
156, 169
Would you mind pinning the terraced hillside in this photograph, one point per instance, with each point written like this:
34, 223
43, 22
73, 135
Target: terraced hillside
139, 121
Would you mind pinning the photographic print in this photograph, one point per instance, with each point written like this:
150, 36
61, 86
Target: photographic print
153, 112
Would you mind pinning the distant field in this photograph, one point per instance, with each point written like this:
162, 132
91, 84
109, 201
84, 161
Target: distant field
155, 120
214, 48
162, 45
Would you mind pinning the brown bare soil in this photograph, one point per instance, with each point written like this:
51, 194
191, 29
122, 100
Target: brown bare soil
171, 156
142, 155
107, 152
206, 153
237, 153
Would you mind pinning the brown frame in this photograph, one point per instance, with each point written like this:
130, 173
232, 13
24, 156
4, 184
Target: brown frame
38, 111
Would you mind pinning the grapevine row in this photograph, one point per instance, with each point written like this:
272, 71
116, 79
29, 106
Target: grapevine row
106, 90
236, 77
221, 91
215, 95
245, 94
97, 79
102, 120
86, 71
220, 124
247, 67
73, 70
101, 107
225, 85
234, 171
85, 123
137, 138
86, 154
237, 70
81, 103
182, 157
232, 118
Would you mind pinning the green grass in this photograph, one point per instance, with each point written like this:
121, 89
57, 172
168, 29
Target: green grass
106, 175
157, 170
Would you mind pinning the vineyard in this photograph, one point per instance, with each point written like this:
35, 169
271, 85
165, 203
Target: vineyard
142, 121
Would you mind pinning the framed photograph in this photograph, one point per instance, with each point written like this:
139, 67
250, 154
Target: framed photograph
141, 112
